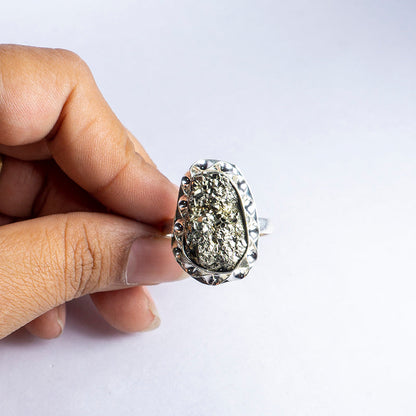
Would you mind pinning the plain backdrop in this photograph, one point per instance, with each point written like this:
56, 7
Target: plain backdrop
315, 101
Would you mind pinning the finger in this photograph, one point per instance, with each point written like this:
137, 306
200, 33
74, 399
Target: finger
130, 310
32, 151
123, 309
21, 182
59, 197
47, 261
51, 94
40, 188
40, 150
50, 324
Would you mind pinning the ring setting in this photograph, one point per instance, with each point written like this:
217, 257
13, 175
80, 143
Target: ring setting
216, 227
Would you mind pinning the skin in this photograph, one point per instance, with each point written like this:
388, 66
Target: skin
77, 190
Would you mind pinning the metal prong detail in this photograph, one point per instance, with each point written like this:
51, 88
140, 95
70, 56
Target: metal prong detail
178, 227
183, 203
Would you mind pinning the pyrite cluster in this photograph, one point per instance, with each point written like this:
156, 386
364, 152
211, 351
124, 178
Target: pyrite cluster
215, 236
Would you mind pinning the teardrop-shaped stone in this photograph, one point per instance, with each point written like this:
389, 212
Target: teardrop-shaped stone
215, 234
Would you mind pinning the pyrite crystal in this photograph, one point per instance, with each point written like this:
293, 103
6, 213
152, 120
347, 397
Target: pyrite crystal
215, 235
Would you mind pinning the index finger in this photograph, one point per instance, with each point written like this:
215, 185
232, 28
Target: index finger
48, 96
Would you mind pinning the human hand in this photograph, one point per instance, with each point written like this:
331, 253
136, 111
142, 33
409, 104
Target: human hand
78, 194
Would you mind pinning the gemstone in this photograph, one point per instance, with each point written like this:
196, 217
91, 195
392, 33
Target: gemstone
215, 234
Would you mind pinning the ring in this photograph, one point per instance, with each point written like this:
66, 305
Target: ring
216, 228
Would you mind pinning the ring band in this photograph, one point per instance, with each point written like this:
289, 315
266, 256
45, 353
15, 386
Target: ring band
216, 228
265, 226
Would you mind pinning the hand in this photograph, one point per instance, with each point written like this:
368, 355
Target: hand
80, 200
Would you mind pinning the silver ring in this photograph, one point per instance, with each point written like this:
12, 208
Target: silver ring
216, 228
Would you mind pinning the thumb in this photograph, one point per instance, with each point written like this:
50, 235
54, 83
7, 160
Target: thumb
47, 261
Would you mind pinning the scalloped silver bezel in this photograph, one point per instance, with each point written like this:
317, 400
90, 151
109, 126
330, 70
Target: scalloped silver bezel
202, 167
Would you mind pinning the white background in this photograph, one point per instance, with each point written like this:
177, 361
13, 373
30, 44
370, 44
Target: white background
316, 102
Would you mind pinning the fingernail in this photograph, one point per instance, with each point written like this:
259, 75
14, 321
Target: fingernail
151, 261
183, 276
155, 322
60, 319
61, 327
57, 325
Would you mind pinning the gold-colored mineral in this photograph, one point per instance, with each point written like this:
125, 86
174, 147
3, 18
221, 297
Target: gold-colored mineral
215, 235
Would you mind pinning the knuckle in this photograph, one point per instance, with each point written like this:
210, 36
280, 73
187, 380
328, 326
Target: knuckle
85, 261
77, 65
56, 73
71, 58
